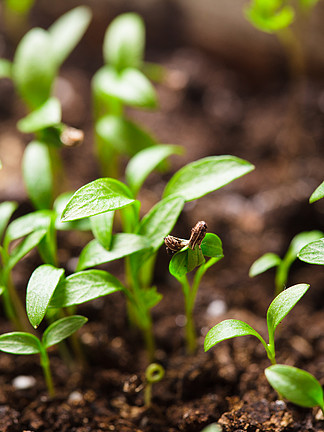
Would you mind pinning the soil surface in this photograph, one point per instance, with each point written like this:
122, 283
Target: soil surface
209, 109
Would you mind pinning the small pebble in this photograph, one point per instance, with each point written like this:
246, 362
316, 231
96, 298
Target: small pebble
181, 320
216, 308
280, 404
23, 382
75, 397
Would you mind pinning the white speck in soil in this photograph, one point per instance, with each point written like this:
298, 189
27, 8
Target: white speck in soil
216, 308
23, 382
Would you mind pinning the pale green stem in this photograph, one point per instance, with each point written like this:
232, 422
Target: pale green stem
44, 360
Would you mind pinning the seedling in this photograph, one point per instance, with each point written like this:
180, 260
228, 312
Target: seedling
118, 84
141, 238
277, 311
26, 343
37, 60
296, 385
190, 254
154, 373
270, 260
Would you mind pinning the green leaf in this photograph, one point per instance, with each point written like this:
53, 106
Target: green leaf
206, 175
19, 343
195, 258
129, 86
317, 194
178, 265
270, 16
84, 286
144, 162
301, 240
26, 245
229, 329
40, 289
34, 68
313, 253
283, 304
37, 172
296, 385
124, 41
307, 4
101, 226
58, 206
26, 224
46, 115
62, 329
264, 263
67, 31
124, 136
211, 246
121, 245
6, 210
160, 220
150, 297
99, 196
5, 68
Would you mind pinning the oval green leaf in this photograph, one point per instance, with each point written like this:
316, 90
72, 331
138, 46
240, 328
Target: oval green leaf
34, 67
40, 289
296, 385
317, 194
206, 175
229, 329
102, 226
6, 210
46, 115
211, 246
67, 31
121, 245
129, 86
283, 304
99, 196
144, 162
124, 42
264, 263
5, 68
84, 286
62, 329
19, 343
124, 136
313, 253
37, 172
26, 245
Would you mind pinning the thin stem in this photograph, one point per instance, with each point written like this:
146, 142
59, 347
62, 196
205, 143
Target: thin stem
148, 394
44, 361
191, 342
20, 312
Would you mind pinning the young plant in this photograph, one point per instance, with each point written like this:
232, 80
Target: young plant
271, 260
190, 254
37, 60
277, 17
313, 252
296, 385
118, 84
26, 343
141, 238
154, 373
277, 311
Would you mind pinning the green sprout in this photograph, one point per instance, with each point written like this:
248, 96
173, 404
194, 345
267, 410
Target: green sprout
277, 17
121, 83
277, 311
33, 71
142, 237
282, 265
26, 343
191, 254
154, 373
296, 385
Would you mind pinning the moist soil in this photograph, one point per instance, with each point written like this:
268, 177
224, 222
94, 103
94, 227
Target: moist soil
210, 109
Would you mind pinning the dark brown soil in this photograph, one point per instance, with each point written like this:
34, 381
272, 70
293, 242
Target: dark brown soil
210, 109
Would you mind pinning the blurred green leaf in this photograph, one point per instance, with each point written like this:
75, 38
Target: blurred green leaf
46, 115
264, 263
